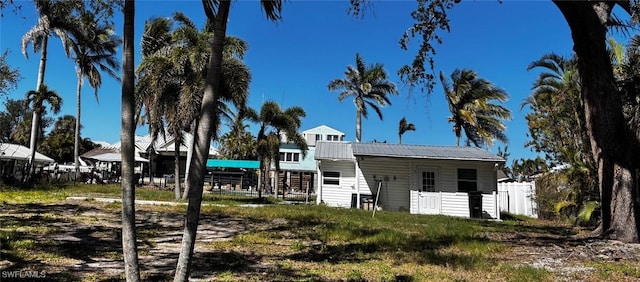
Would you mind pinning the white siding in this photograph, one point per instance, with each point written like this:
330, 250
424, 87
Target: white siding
490, 205
413, 202
399, 182
448, 173
394, 192
455, 204
338, 196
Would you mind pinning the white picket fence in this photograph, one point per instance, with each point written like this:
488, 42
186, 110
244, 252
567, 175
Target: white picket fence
518, 198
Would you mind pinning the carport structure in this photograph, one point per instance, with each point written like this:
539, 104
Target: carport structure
232, 174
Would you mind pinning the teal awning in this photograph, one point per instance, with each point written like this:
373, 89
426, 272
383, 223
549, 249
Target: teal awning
233, 163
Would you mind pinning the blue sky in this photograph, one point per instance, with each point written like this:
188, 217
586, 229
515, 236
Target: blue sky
292, 61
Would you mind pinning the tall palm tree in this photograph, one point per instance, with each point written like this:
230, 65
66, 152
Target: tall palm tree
129, 247
37, 99
54, 18
218, 12
369, 87
403, 127
558, 111
469, 98
94, 51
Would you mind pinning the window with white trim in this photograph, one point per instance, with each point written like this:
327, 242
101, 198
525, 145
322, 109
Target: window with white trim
467, 180
331, 178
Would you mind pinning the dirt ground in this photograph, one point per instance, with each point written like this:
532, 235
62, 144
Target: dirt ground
90, 245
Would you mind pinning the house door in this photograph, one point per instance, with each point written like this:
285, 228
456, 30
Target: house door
428, 196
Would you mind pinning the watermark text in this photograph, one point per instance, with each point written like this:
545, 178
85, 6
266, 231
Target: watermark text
23, 274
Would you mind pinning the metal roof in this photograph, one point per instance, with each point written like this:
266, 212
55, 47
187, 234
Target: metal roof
333, 150
423, 152
233, 163
18, 152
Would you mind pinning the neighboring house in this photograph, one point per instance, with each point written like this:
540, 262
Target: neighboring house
298, 173
457, 181
322, 133
157, 157
14, 159
503, 177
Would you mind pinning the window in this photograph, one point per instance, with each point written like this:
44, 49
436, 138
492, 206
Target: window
428, 181
331, 178
289, 157
318, 137
333, 138
467, 180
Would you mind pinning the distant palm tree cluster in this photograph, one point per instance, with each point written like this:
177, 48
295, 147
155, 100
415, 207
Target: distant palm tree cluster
87, 39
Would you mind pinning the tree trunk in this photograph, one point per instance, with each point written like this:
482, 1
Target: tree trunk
129, 248
260, 178
613, 145
76, 139
35, 125
176, 168
35, 119
203, 139
190, 148
358, 126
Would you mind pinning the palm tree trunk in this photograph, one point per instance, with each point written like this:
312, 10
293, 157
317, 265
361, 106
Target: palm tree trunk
203, 140
260, 178
358, 126
458, 131
400, 138
129, 247
36, 117
190, 148
176, 167
35, 125
76, 139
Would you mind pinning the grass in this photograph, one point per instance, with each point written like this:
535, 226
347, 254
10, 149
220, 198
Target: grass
275, 242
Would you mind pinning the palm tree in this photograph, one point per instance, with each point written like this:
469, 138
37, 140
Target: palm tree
37, 98
272, 118
129, 247
557, 122
53, 19
469, 98
173, 63
238, 143
403, 127
368, 85
218, 12
94, 51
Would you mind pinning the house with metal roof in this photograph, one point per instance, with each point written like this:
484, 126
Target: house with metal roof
420, 179
298, 171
